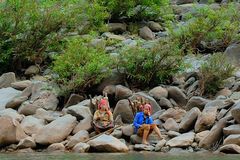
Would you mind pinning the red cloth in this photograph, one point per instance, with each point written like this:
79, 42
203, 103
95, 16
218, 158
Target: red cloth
103, 102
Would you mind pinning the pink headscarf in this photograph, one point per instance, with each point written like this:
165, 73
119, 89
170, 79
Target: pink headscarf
148, 106
103, 102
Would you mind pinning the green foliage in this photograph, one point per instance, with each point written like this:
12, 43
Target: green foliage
213, 73
137, 9
149, 67
81, 66
28, 28
216, 27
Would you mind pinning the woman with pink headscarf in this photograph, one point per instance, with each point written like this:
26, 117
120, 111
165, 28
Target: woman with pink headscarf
143, 124
103, 118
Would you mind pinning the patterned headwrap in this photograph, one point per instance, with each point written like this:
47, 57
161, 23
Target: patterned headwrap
148, 106
103, 103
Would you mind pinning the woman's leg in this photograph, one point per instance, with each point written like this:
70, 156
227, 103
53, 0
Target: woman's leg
145, 133
156, 130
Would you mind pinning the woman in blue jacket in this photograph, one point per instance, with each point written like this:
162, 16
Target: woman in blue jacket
143, 124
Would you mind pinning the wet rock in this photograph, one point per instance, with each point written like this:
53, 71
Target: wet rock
27, 142
32, 125
143, 147
232, 139
233, 129
11, 113
178, 96
158, 93
196, 101
6, 79
56, 131
107, 143
81, 147
10, 131
124, 110
81, 136
189, 120
146, 33
21, 85
183, 140
176, 114
7, 95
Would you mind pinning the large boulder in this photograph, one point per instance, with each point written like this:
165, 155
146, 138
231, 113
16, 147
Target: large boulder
177, 114
182, 140
85, 124
196, 101
122, 92
11, 113
6, 95
107, 143
6, 79
165, 103
158, 92
214, 135
233, 129
232, 139
10, 131
56, 131
154, 104
189, 120
230, 148
124, 110
81, 147
206, 119
81, 136
32, 125
199, 136
79, 111
146, 33
236, 113
232, 52
48, 116
177, 95
56, 147
171, 125
128, 130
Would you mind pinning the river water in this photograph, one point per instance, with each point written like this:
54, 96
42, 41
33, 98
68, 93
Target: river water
116, 156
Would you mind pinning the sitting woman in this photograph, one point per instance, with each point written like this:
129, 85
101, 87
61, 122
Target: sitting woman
103, 118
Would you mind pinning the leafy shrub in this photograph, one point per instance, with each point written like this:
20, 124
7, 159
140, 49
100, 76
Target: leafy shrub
217, 28
81, 66
149, 67
137, 10
29, 28
213, 73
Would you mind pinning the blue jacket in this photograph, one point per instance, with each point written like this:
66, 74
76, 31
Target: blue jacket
138, 120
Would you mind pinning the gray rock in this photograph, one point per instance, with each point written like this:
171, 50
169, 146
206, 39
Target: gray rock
156, 115
158, 92
232, 52
56, 131
221, 114
177, 95
73, 100
146, 33
130, 42
27, 142
233, 129
122, 92
183, 140
135, 139
98, 43
16, 102
159, 145
199, 136
143, 147
128, 130
165, 103
177, 114
85, 124
171, 125
81, 147
11, 113
6, 79
31, 70
117, 133
196, 101
32, 125
173, 134
117, 27
48, 116
184, 1
79, 111
81, 136
124, 110
21, 85
224, 92
113, 36
230, 148
236, 113
189, 120
27, 108
154, 26
56, 147
6, 95
107, 143
229, 82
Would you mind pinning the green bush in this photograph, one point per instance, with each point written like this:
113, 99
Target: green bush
217, 28
136, 10
81, 66
213, 73
28, 28
149, 67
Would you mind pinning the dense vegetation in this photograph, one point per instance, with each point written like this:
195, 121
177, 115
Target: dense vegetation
31, 31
